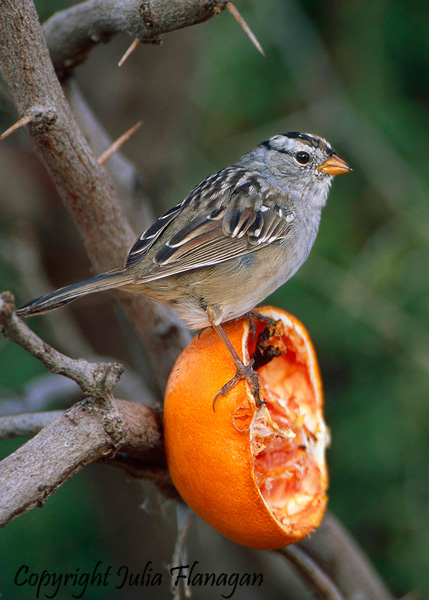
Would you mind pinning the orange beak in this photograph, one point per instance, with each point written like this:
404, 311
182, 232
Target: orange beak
335, 166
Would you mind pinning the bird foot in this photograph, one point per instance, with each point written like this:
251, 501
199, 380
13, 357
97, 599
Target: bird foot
243, 372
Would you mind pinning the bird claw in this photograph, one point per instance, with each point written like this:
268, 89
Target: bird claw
243, 372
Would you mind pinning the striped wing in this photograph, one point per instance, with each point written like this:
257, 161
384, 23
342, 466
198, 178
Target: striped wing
230, 214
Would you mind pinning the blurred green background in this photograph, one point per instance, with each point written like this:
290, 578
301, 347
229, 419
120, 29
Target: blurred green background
355, 73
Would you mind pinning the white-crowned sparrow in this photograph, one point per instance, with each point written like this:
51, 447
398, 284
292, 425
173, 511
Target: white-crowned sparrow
238, 236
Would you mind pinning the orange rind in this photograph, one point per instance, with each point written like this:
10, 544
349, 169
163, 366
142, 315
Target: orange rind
256, 474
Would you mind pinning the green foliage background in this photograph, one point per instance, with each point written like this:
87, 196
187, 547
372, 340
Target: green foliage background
357, 74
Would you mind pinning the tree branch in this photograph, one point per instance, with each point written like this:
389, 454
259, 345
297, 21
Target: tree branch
81, 182
339, 557
312, 572
26, 424
88, 431
74, 32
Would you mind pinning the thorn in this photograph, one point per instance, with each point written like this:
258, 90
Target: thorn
23, 121
128, 52
244, 26
104, 156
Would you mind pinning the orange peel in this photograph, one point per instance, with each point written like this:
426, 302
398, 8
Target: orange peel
257, 475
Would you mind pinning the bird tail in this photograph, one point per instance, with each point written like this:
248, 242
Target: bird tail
106, 281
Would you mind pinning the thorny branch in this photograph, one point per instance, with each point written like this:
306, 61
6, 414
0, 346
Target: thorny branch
86, 191
72, 33
81, 182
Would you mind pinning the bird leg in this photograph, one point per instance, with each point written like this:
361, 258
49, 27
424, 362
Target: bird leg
242, 371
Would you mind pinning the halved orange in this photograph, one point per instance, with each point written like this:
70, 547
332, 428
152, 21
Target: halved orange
256, 474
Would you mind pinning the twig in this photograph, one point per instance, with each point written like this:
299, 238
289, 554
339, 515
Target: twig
180, 554
128, 52
95, 379
118, 143
312, 572
26, 424
244, 26
23, 121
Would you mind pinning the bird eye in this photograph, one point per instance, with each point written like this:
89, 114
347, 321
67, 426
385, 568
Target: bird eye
302, 157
